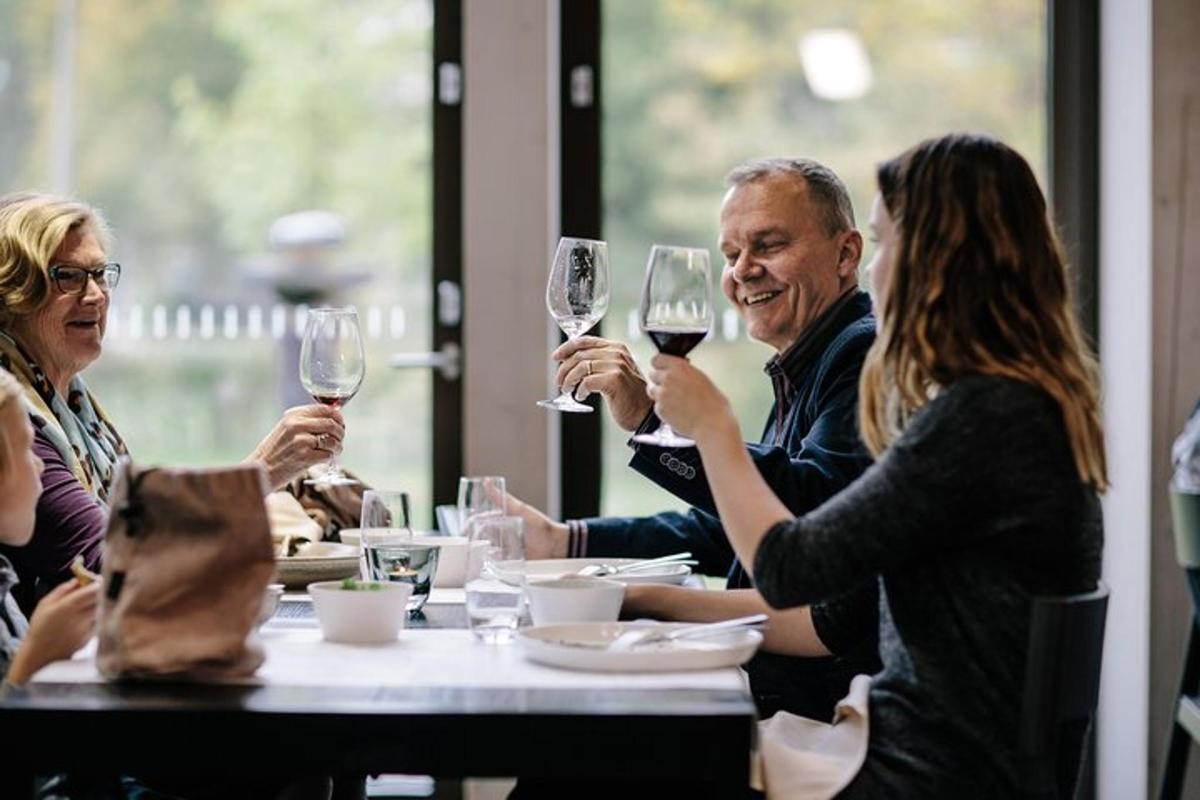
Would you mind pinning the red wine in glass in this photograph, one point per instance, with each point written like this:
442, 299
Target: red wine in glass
332, 366
333, 400
676, 313
676, 341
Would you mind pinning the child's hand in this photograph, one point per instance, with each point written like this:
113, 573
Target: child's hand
62, 623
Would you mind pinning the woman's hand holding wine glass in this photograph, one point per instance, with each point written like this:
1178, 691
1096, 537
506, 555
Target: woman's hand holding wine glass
332, 366
686, 398
676, 313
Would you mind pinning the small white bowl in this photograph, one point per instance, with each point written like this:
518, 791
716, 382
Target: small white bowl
575, 598
361, 616
351, 536
452, 558
270, 601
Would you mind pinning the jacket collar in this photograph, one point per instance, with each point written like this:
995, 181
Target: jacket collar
787, 370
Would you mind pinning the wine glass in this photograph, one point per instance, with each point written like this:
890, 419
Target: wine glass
577, 296
479, 497
332, 365
676, 313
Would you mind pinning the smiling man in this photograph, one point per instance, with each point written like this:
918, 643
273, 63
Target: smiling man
791, 270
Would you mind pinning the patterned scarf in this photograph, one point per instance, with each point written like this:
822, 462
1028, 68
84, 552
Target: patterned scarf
76, 426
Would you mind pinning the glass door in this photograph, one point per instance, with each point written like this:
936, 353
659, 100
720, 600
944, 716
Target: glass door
691, 88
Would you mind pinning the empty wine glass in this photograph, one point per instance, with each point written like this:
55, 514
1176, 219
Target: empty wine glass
577, 296
676, 313
478, 497
332, 366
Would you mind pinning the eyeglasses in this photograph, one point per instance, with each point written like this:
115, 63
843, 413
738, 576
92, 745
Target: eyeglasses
73, 280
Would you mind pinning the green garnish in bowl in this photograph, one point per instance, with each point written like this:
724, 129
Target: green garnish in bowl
354, 585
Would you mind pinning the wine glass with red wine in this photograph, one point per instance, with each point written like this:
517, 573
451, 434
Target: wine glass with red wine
676, 313
332, 366
577, 297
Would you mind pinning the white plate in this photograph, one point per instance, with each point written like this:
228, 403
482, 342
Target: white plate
319, 561
566, 646
548, 569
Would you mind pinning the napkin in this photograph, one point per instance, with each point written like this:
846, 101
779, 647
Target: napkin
288, 520
802, 759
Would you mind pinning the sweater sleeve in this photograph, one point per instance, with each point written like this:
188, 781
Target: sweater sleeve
926, 489
70, 522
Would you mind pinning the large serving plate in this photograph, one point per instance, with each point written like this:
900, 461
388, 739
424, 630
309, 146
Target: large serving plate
549, 569
581, 645
319, 561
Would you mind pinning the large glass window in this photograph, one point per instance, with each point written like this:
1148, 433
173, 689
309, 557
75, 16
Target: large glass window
253, 157
693, 87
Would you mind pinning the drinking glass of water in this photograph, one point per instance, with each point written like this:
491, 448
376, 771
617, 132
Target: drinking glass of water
495, 587
479, 496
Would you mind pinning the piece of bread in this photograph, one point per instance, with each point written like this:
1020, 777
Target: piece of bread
82, 573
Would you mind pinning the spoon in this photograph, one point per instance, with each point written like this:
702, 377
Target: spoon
643, 636
599, 570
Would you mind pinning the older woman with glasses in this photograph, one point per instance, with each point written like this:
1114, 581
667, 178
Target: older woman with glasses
55, 282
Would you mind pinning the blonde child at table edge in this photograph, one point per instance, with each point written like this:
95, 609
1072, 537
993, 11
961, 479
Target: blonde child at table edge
66, 617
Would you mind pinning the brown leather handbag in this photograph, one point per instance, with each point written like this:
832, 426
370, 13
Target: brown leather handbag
187, 557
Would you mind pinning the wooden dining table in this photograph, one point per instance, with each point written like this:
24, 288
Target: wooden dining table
436, 702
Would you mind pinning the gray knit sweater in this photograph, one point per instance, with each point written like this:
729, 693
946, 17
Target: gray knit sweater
973, 511
12, 622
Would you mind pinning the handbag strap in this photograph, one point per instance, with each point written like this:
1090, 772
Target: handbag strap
133, 512
131, 508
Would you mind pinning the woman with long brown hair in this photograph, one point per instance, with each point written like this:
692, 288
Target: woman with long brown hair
979, 401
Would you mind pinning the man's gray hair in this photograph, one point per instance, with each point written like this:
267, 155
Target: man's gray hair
826, 189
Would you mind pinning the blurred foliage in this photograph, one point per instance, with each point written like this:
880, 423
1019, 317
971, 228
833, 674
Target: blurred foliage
693, 87
195, 125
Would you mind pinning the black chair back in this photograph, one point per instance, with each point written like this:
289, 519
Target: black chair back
1062, 684
1185, 723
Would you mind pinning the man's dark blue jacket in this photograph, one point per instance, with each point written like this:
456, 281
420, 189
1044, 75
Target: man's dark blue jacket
809, 451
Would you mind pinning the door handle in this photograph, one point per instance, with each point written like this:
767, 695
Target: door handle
447, 361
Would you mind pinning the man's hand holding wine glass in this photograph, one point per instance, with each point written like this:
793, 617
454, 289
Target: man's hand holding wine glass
601, 366
577, 297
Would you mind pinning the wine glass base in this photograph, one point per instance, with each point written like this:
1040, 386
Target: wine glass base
664, 440
565, 403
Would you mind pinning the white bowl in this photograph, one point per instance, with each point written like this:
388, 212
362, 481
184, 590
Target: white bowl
577, 598
351, 536
362, 616
452, 559
270, 601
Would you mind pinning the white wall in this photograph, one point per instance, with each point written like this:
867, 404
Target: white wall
510, 159
1126, 354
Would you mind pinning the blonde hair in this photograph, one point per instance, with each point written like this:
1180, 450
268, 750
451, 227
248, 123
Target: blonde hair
32, 228
10, 392
978, 287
